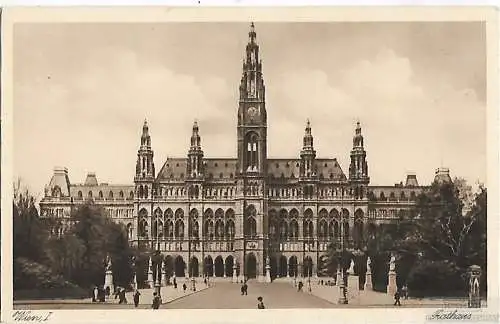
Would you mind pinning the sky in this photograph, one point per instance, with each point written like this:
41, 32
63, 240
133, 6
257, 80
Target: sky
83, 91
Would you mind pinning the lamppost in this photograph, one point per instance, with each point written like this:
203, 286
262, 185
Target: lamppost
342, 284
134, 272
158, 263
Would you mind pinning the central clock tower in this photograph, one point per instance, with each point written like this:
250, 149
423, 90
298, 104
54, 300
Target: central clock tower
251, 244
252, 116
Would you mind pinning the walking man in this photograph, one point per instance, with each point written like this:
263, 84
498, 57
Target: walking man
136, 297
397, 298
245, 288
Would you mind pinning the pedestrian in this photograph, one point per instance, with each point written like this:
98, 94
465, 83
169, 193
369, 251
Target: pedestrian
300, 286
122, 297
175, 284
95, 295
102, 295
242, 290
260, 305
184, 287
404, 291
205, 281
156, 301
397, 298
245, 288
137, 295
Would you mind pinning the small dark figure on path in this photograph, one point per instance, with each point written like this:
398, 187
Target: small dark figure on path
397, 298
120, 294
184, 287
136, 297
300, 286
244, 289
260, 305
205, 281
156, 301
404, 292
102, 295
175, 283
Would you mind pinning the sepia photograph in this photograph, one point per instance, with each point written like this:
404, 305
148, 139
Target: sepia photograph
250, 164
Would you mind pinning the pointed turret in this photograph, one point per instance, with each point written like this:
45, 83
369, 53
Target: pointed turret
307, 154
145, 168
358, 169
195, 154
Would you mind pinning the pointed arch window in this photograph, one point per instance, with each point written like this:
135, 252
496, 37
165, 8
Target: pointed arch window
252, 152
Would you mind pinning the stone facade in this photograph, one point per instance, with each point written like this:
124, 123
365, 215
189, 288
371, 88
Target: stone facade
209, 215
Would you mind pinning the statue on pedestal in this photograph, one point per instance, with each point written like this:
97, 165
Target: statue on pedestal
108, 263
351, 268
108, 276
392, 263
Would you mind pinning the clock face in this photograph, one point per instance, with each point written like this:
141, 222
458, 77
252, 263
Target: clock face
252, 111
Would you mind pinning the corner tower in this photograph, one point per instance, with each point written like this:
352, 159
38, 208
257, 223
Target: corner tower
252, 116
144, 168
358, 169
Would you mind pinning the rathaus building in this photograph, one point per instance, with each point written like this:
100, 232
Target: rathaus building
210, 216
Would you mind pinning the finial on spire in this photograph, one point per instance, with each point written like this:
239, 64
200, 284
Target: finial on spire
252, 33
145, 128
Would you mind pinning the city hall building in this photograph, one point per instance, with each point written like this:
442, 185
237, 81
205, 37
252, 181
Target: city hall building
210, 215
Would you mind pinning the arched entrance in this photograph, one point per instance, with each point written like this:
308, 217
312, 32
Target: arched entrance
292, 267
229, 266
251, 266
274, 267
219, 266
193, 268
283, 266
308, 264
180, 267
169, 266
209, 266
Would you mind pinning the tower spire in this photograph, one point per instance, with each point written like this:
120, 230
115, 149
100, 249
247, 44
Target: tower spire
195, 154
252, 35
358, 169
308, 154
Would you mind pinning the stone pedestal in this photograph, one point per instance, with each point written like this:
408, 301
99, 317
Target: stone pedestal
151, 282
268, 274
474, 286
134, 282
391, 286
163, 275
235, 277
339, 278
368, 281
108, 281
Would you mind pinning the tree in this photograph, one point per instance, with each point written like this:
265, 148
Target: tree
30, 235
100, 237
450, 228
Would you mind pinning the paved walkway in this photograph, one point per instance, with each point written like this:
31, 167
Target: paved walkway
225, 295
168, 294
370, 298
